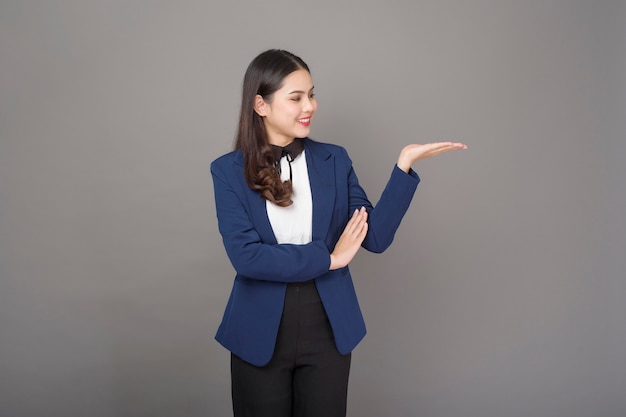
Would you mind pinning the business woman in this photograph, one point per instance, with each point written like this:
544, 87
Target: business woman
292, 216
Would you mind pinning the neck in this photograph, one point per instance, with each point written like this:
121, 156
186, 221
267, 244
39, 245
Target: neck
281, 143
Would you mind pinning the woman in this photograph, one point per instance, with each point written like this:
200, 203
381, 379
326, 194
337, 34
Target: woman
292, 216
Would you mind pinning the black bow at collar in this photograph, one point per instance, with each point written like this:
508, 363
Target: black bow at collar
290, 151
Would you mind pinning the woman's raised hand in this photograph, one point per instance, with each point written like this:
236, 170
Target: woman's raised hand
415, 152
350, 240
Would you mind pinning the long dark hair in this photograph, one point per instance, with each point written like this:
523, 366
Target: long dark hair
264, 76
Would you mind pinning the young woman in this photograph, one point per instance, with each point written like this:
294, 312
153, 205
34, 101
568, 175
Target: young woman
292, 216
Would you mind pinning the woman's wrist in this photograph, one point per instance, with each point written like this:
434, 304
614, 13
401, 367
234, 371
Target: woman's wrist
404, 163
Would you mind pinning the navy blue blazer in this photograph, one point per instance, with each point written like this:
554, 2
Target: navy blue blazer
264, 267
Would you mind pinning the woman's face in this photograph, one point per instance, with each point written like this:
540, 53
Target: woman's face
289, 112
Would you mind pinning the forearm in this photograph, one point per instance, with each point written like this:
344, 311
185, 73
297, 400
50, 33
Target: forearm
278, 262
386, 216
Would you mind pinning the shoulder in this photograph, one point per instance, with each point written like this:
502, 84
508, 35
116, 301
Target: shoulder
322, 147
227, 160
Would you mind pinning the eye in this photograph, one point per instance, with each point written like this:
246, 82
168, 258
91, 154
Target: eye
312, 95
295, 99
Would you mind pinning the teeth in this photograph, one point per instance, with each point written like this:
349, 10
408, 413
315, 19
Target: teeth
304, 120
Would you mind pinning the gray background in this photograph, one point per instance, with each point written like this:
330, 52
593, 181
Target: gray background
507, 291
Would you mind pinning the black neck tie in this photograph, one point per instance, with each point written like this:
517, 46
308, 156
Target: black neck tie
290, 152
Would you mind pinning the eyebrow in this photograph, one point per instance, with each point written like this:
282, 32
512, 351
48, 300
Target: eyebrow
300, 91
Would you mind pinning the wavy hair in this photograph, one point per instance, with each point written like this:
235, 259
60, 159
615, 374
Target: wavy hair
264, 76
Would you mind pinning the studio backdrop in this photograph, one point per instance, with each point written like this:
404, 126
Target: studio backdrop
506, 296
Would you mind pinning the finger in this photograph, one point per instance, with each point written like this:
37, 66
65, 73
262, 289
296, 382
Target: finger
456, 145
357, 215
444, 147
355, 227
362, 233
352, 223
452, 147
353, 218
356, 234
435, 145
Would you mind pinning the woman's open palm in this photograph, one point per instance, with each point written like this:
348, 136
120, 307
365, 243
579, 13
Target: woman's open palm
415, 152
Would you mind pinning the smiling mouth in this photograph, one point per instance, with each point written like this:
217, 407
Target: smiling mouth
305, 122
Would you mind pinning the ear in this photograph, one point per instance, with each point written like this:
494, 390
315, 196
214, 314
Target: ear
260, 106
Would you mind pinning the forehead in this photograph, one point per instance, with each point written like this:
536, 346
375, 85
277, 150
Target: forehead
299, 80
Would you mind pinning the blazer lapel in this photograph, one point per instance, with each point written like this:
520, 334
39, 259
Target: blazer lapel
321, 168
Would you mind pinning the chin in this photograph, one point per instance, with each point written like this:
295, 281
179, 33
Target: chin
303, 133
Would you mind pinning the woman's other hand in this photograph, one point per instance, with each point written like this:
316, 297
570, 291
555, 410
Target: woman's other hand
350, 241
415, 152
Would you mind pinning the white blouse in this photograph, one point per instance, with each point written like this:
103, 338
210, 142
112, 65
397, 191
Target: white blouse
294, 224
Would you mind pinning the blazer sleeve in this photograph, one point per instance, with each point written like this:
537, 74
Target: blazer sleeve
249, 255
384, 218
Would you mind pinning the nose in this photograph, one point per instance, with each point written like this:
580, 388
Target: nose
308, 105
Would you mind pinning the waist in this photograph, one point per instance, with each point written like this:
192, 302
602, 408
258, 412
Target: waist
301, 283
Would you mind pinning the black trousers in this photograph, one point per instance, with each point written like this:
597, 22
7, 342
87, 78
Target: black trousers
306, 377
